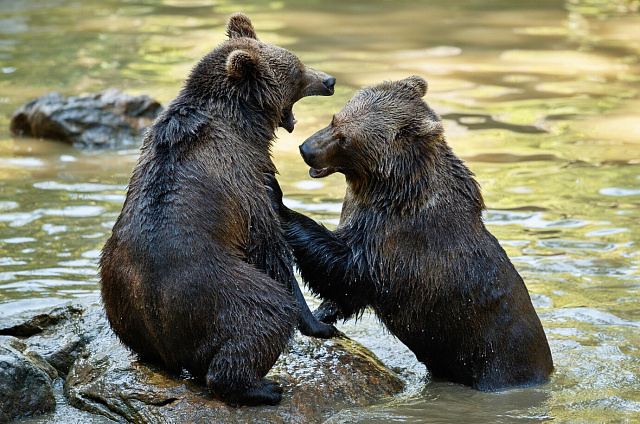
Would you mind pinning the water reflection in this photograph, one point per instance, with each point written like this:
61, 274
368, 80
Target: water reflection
479, 121
530, 220
540, 98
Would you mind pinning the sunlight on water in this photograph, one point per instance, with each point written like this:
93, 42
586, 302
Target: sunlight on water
540, 98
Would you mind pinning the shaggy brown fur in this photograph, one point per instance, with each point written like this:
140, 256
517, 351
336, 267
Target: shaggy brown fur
197, 274
412, 245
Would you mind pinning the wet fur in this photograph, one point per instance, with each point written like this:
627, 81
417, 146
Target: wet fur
412, 245
196, 274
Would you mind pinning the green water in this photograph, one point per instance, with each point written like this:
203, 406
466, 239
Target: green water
541, 98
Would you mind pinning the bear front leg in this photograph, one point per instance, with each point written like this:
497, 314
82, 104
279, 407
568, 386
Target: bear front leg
324, 260
308, 324
273, 256
278, 265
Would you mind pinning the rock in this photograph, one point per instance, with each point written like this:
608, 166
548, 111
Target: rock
54, 334
34, 324
319, 377
109, 118
25, 381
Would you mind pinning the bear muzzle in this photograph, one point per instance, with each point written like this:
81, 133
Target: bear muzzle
318, 83
315, 157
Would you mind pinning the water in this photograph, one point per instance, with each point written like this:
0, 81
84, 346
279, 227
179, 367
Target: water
540, 98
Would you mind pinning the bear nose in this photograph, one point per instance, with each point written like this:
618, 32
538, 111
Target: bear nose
330, 83
304, 151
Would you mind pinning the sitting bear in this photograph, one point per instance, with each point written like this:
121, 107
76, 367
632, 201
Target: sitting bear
196, 274
412, 244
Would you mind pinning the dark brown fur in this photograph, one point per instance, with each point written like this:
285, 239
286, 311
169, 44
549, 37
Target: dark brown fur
412, 245
196, 274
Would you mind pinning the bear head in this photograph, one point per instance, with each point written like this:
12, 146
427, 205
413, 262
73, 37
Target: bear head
380, 131
265, 79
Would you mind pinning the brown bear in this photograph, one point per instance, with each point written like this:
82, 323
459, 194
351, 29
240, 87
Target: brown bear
196, 274
412, 244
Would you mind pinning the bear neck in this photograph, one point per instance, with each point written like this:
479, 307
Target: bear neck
188, 117
432, 177
254, 107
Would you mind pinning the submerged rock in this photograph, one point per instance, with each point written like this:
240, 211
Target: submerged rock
319, 377
109, 118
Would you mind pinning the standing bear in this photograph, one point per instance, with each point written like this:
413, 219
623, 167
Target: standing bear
412, 245
196, 274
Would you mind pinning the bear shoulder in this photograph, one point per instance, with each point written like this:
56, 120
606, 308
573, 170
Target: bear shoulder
177, 124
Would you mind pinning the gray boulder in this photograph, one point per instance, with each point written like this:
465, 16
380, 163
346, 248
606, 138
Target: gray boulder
109, 118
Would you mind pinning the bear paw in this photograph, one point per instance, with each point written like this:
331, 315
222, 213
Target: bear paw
328, 312
267, 392
319, 329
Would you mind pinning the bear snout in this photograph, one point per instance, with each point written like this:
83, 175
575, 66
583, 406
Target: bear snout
314, 150
318, 83
305, 153
316, 159
312, 156
317, 152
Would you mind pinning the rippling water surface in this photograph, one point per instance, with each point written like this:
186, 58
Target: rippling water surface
540, 98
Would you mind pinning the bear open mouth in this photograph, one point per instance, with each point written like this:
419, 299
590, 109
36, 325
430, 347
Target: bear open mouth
320, 173
288, 119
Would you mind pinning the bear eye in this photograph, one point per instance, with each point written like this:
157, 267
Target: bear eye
343, 141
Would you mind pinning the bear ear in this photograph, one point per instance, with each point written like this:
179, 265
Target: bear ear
241, 63
239, 25
417, 83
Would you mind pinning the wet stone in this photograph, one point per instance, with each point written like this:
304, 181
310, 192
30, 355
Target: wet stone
107, 119
54, 335
103, 378
25, 381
